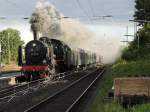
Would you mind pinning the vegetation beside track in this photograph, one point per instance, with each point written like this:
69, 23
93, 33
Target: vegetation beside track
135, 61
139, 67
10, 40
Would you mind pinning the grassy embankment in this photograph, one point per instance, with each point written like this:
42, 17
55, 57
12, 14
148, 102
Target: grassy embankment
120, 69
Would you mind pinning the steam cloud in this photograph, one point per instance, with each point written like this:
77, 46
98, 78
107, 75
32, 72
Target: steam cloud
45, 20
48, 21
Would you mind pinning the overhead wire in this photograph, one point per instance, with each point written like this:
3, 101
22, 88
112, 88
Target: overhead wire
84, 11
16, 6
51, 1
13, 3
78, 2
91, 7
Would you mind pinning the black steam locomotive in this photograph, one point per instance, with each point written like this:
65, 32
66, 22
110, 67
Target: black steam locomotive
47, 57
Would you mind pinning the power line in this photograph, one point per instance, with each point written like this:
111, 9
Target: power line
91, 7
14, 4
84, 11
51, 1
11, 2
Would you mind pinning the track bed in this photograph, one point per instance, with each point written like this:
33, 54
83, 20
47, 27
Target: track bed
21, 103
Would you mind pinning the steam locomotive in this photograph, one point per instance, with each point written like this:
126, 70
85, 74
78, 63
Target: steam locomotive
47, 57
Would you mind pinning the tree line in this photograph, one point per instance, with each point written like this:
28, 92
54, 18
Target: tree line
140, 46
10, 40
142, 15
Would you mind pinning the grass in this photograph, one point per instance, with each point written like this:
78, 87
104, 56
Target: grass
122, 68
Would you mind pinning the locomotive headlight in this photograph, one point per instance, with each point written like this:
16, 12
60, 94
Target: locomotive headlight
33, 44
44, 61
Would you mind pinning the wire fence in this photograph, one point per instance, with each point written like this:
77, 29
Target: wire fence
9, 93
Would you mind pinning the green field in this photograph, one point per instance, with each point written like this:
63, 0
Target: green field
139, 67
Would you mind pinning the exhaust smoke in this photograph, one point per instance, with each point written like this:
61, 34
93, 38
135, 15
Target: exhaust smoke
47, 21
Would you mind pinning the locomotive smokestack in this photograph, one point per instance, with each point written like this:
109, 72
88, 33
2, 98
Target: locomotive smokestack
34, 31
34, 34
34, 25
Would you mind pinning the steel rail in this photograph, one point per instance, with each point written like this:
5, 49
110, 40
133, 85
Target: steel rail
57, 93
13, 90
11, 87
84, 92
26, 88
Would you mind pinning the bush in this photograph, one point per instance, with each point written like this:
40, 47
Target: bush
133, 53
129, 54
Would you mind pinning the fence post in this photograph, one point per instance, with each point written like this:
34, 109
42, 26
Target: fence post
28, 86
14, 90
39, 82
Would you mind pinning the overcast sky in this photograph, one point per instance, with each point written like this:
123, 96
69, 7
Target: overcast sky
84, 10
111, 30
120, 9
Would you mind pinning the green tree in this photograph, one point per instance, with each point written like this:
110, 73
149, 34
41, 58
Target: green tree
142, 11
10, 40
142, 35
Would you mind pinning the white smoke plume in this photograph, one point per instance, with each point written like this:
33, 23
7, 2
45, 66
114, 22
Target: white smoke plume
45, 19
76, 34
48, 21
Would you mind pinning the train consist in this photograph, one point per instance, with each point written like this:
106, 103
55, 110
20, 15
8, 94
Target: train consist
47, 57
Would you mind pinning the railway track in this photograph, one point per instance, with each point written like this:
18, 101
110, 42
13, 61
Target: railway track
6, 94
66, 99
9, 93
10, 73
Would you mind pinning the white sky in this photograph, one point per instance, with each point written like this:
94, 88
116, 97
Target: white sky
121, 10
108, 29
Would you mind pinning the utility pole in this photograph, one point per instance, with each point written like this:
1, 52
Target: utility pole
8, 48
135, 29
127, 36
135, 34
138, 41
0, 57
